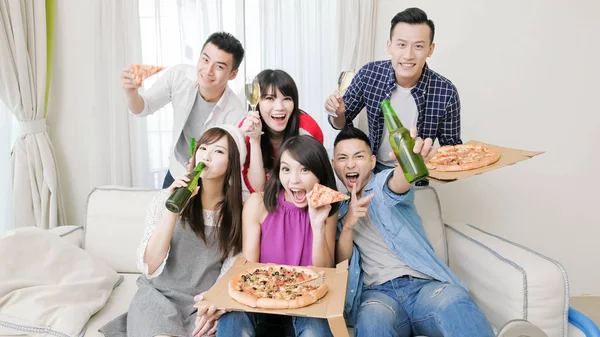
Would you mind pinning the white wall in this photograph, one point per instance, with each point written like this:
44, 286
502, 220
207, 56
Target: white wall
528, 76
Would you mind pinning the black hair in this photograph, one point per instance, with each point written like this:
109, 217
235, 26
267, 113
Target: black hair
229, 44
412, 16
350, 132
312, 155
269, 80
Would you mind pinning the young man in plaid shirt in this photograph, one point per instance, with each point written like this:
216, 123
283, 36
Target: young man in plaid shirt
421, 97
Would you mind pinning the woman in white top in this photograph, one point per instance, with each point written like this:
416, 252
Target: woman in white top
182, 255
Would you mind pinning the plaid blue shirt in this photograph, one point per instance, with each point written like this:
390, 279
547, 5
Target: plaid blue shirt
435, 96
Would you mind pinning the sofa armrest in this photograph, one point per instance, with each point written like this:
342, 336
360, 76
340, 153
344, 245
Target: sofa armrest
583, 323
509, 281
73, 234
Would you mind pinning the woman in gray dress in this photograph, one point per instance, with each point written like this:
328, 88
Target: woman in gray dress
182, 255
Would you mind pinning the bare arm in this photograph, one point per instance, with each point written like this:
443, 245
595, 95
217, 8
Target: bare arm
134, 100
323, 248
349, 106
256, 170
155, 222
160, 242
254, 210
154, 98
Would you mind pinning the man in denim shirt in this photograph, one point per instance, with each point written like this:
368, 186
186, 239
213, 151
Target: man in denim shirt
422, 98
397, 286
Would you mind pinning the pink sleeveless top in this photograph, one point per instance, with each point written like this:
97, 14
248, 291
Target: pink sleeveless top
286, 235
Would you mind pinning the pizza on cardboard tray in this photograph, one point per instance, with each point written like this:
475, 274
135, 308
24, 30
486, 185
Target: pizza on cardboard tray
276, 287
323, 195
462, 157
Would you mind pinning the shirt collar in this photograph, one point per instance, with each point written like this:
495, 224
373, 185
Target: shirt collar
421, 84
222, 102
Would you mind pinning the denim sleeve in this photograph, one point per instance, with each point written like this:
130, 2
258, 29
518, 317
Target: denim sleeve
386, 196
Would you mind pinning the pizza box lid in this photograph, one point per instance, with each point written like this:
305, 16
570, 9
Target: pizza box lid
508, 156
331, 306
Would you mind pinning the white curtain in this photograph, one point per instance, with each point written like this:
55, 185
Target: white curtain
119, 141
8, 133
313, 41
23, 63
300, 37
356, 40
200, 18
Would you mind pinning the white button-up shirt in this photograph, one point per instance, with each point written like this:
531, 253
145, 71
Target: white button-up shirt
179, 85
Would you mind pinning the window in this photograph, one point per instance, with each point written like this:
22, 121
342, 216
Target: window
173, 32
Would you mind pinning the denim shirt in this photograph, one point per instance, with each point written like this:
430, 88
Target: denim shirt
396, 218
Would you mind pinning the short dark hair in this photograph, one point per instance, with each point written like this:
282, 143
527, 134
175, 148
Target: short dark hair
350, 132
311, 154
412, 16
270, 80
229, 44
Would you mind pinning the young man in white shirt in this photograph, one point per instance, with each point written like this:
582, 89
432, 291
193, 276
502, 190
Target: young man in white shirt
200, 96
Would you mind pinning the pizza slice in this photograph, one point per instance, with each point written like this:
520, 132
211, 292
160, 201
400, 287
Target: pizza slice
143, 71
323, 195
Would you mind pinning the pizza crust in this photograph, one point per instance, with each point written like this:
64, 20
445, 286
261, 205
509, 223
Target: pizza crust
240, 296
252, 294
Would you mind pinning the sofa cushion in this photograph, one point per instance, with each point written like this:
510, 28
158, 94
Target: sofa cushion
428, 206
509, 281
117, 304
115, 225
51, 286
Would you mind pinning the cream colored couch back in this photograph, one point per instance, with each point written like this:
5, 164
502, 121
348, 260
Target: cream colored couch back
115, 223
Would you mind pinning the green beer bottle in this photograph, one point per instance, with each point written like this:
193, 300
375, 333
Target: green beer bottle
412, 164
181, 195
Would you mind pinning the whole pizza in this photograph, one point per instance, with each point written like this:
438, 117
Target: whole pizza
462, 157
276, 287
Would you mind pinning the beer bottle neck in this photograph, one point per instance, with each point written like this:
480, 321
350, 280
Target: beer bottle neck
391, 119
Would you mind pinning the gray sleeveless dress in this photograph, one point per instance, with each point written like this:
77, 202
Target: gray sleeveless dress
163, 305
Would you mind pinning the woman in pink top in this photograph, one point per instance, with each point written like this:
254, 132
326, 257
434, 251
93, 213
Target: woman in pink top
280, 227
279, 117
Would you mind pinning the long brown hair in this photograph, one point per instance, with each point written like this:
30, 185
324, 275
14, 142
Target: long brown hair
228, 218
311, 154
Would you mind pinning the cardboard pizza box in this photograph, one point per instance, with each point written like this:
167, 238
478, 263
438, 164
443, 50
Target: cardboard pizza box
508, 156
331, 306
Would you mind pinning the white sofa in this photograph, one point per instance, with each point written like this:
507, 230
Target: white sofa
508, 281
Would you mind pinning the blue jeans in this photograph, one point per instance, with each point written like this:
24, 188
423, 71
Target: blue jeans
243, 324
408, 306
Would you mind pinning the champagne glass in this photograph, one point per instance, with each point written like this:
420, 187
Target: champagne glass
252, 96
343, 83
